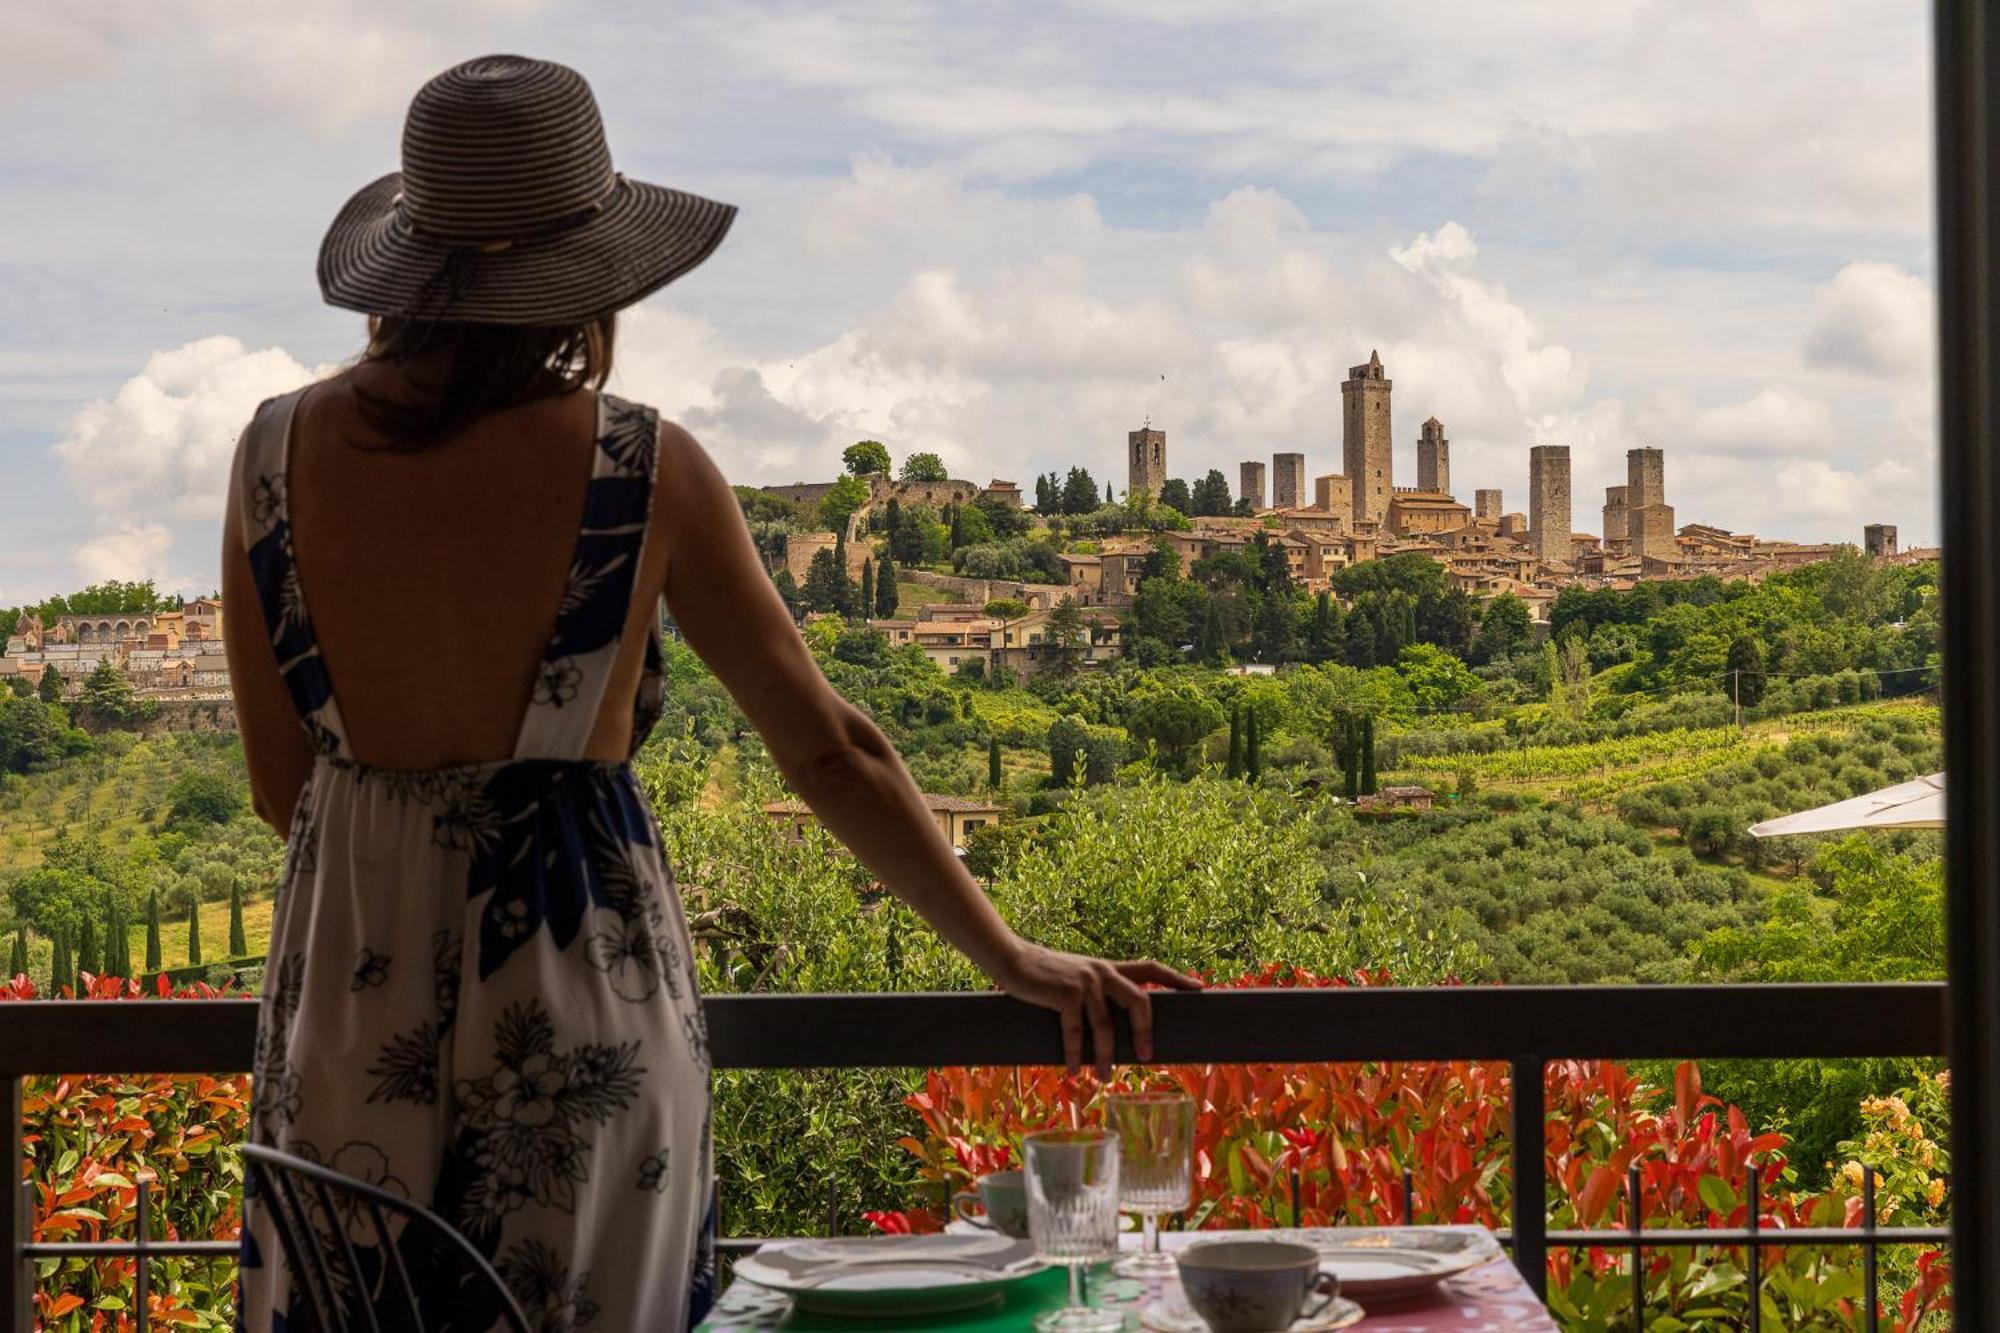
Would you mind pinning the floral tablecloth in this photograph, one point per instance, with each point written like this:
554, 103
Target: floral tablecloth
1493, 1298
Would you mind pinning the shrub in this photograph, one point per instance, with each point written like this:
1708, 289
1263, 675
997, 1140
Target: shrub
89, 1139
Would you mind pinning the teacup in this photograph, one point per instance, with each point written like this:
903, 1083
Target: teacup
1254, 1286
1004, 1197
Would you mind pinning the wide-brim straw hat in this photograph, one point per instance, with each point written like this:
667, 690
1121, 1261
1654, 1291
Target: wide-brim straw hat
507, 210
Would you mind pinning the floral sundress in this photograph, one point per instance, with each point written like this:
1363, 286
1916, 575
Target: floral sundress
480, 990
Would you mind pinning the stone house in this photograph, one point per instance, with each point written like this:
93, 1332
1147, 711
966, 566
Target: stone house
957, 817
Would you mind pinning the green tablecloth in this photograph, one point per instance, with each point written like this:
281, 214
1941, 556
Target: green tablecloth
1015, 1311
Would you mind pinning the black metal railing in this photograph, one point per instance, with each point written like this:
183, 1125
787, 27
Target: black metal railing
1525, 1026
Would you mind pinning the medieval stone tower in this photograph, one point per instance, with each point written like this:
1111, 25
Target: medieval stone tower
1617, 511
1649, 519
1548, 502
1250, 483
1366, 444
1879, 540
1487, 504
1148, 455
1434, 459
1288, 481
1645, 478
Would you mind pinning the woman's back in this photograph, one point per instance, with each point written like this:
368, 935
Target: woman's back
435, 577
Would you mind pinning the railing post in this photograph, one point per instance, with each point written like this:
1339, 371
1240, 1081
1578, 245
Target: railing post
17, 1284
1531, 1206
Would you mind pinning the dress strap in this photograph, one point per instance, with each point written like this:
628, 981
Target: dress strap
262, 458
617, 508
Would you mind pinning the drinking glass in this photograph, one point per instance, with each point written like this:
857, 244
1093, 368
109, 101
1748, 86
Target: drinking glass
1155, 1167
1072, 1177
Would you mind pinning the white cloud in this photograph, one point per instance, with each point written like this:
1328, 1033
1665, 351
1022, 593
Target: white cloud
1544, 377
1776, 420
153, 458
131, 552
1877, 318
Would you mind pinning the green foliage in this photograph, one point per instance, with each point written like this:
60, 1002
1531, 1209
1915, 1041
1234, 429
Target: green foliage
1877, 915
1175, 495
17, 960
827, 586
1438, 681
887, 594
1504, 629
866, 456
194, 932
1174, 721
1079, 492
1210, 496
49, 689
837, 506
87, 957
202, 797
153, 931
35, 735
1081, 752
924, 467
1563, 897
239, 947
1241, 879
106, 700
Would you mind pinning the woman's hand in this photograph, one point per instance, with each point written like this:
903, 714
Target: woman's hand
1084, 990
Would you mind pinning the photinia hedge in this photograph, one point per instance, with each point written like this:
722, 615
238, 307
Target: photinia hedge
90, 1138
1347, 1133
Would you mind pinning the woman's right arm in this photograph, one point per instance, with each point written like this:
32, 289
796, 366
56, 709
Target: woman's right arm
840, 764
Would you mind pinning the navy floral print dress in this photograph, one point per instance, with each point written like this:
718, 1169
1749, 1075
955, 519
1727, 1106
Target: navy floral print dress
480, 991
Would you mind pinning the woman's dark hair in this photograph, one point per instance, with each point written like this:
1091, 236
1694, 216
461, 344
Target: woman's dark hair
473, 369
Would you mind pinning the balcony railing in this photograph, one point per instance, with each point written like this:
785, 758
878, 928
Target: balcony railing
1526, 1026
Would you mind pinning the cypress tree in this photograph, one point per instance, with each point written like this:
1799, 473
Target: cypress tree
885, 589
993, 763
1367, 756
112, 928
238, 945
194, 931
1109, 498
60, 975
1234, 769
153, 931
867, 607
1253, 755
17, 965
1350, 761
87, 959
957, 530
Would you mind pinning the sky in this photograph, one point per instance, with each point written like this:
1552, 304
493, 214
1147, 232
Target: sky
1010, 233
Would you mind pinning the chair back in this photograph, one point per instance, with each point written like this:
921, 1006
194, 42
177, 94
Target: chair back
314, 1208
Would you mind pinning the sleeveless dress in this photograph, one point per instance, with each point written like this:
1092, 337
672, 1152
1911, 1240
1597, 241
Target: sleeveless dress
480, 991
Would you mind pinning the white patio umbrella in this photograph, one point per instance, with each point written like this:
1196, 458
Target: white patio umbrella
1918, 803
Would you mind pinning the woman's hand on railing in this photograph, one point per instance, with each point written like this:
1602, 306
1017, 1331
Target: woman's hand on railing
1084, 990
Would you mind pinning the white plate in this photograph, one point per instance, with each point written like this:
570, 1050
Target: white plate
1386, 1264
1172, 1314
892, 1275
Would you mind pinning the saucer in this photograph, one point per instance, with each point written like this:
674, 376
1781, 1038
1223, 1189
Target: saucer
1171, 1314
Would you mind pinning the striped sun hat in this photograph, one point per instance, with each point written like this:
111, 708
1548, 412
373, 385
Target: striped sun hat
507, 210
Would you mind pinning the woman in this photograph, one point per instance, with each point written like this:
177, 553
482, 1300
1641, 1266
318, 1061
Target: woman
481, 991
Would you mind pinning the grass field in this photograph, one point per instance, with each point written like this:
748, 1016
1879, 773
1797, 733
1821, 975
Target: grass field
910, 596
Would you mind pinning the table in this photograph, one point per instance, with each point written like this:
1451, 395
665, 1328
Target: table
1493, 1298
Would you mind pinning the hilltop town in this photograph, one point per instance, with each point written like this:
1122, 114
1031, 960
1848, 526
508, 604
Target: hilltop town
1322, 524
